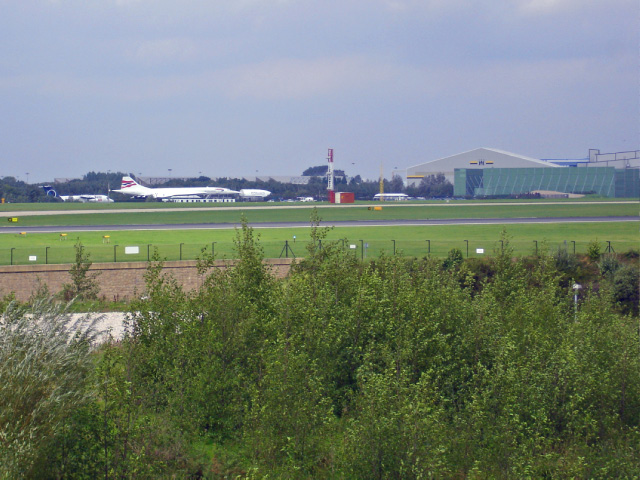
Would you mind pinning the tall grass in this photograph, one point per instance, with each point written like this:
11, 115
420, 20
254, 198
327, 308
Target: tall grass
45, 364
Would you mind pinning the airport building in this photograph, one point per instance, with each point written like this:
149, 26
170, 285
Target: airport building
490, 172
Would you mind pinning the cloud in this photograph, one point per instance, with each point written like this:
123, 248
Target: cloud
296, 79
164, 50
336, 77
551, 7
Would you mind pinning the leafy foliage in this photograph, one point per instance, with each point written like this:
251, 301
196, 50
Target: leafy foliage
84, 285
45, 365
397, 368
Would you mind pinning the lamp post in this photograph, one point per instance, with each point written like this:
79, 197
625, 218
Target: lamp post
576, 288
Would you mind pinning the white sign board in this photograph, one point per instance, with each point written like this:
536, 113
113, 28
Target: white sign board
352, 246
33, 258
479, 250
131, 250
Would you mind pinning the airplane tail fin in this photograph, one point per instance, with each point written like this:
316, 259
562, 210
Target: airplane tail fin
49, 191
128, 182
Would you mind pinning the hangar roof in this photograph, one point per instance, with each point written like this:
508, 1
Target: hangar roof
494, 151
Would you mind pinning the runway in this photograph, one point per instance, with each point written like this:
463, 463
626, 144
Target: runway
346, 223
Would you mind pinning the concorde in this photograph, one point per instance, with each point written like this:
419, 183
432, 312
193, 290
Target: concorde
130, 187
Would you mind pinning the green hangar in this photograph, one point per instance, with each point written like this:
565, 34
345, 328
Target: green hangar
487, 172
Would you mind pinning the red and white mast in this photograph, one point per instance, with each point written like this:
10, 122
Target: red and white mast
332, 195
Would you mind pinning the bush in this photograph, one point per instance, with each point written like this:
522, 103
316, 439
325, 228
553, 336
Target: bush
594, 250
44, 366
626, 290
609, 264
454, 258
83, 286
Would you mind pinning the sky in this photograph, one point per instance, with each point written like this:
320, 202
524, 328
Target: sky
230, 88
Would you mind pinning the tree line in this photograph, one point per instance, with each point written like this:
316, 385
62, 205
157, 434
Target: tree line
394, 368
17, 191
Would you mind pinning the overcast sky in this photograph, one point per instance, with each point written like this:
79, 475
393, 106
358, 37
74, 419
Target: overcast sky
231, 87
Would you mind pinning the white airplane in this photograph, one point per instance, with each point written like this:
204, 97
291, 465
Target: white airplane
130, 187
77, 198
254, 194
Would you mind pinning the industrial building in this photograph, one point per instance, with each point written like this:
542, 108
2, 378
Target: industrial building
490, 172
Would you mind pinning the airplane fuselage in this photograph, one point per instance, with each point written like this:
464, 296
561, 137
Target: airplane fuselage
130, 187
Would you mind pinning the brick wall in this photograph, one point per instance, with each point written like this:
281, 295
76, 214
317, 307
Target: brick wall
118, 281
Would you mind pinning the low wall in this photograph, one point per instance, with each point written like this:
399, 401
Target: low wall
118, 281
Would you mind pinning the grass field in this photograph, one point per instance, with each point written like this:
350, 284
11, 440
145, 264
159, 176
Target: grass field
336, 213
62, 206
410, 241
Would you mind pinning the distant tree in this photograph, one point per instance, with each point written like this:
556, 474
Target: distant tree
320, 171
395, 185
432, 186
315, 171
355, 180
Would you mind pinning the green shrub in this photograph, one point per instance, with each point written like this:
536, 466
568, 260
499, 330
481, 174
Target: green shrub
83, 286
45, 363
594, 250
454, 258
626, 288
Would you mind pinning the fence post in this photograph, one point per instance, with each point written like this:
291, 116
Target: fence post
536, 242
394, 246
213, 249
115, 260
429, 245
285, 249
148, 249
574, 246
46, 255
467, 241
12, 249
181, 250
362, 250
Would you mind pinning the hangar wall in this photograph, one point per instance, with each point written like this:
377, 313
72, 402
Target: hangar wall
605, 181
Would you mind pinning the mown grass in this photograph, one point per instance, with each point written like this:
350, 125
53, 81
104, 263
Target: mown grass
334, 213
62, 206
411, 241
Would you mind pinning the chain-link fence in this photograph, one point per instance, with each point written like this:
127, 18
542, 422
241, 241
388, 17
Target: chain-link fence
361, 248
